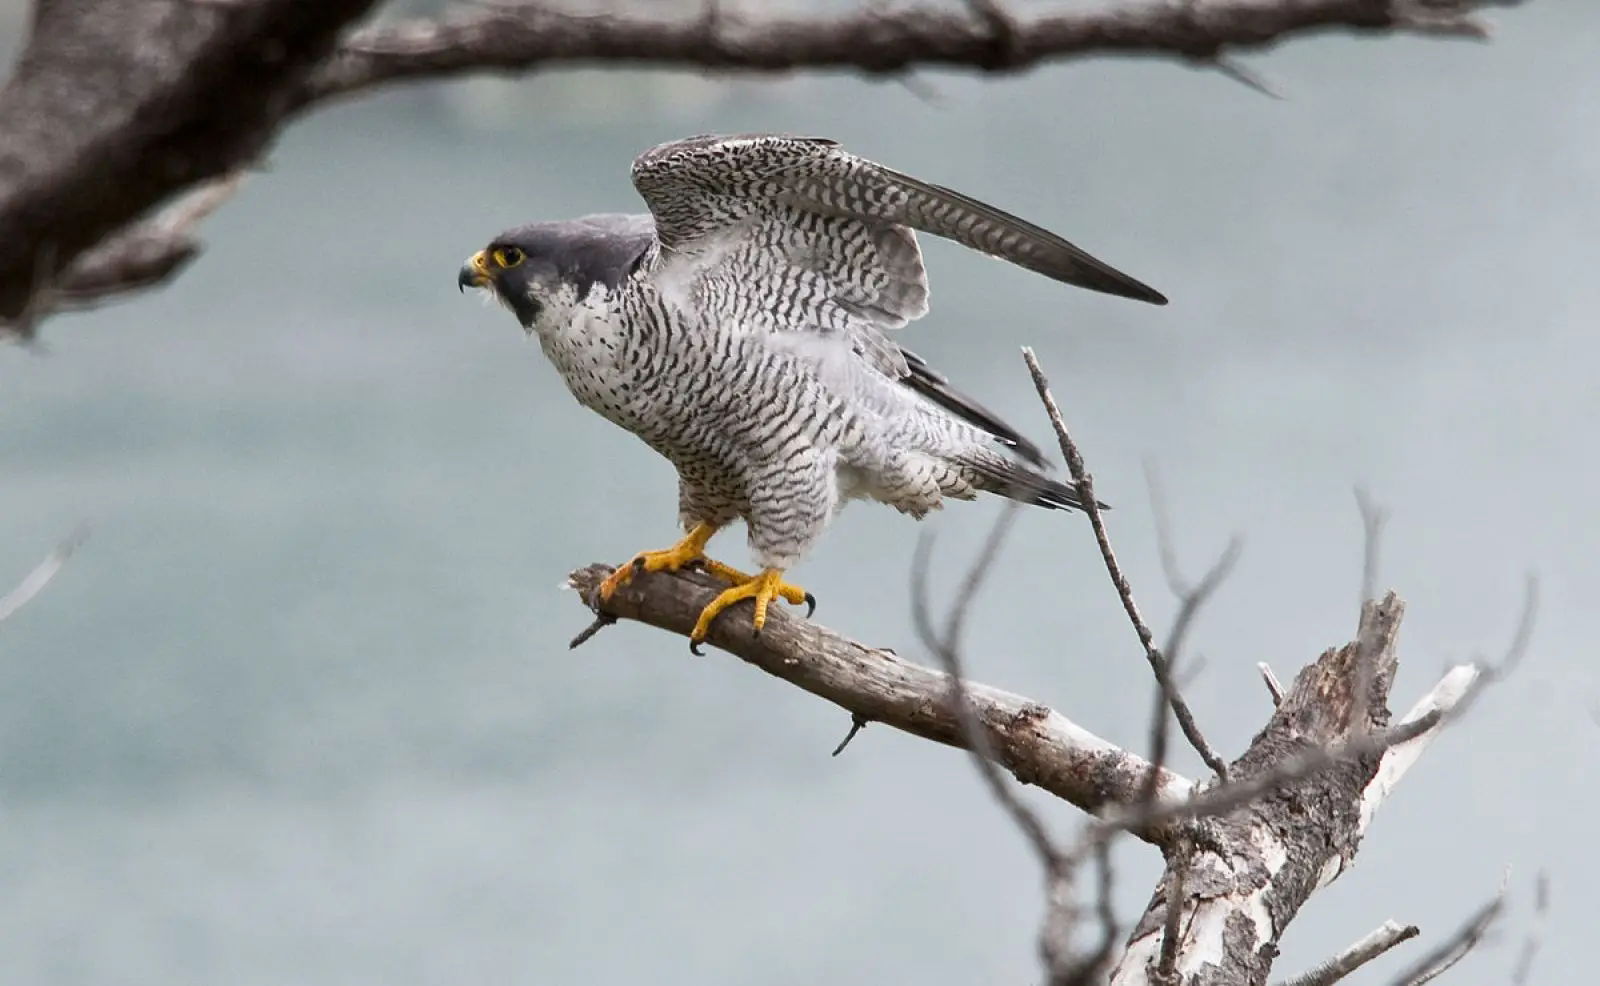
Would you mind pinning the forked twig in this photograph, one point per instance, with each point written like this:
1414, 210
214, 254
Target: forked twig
1085, 488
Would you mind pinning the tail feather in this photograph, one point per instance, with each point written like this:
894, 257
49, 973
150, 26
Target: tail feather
1016, 481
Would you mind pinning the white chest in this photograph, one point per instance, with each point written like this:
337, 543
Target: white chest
584, 340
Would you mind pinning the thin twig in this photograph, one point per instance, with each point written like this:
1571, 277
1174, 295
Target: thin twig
1085, 487
1166, 689
1166, 545
1167, 962
1103, 909
1517, 650
1060, 910
35, 581
947, 647
1439, 961
1373, 517
601, 621
1274, 686
1385, 937
1233, 69
1530, 947
858, 722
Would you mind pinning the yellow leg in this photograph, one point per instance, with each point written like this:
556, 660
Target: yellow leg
726, 573
691, 549
762, 588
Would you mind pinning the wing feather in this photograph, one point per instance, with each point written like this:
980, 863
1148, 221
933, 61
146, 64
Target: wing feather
827, 239
694, 185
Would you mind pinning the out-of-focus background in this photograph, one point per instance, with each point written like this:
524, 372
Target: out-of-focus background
301, 710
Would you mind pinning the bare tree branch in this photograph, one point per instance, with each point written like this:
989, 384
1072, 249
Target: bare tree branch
1310, 780
1385, 937
115, 108
523, 37
1439, 961
1085, 487
1036, 744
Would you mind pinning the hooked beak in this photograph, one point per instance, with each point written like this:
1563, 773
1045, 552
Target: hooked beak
474, 273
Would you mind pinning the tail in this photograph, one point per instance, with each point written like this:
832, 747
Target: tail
1016, 481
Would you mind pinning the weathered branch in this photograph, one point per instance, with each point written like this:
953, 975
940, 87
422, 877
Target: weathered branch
1035, 743
1291, 819
1383, 938
876, 39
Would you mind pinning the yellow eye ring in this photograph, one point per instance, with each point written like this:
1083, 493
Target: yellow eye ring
508, 256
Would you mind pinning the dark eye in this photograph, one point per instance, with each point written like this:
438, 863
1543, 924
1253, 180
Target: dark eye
508, 256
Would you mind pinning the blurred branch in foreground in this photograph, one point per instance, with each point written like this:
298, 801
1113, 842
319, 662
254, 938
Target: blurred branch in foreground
43, 573
116, 108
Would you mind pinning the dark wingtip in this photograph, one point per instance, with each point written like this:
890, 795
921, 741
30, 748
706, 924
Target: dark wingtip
1124, 286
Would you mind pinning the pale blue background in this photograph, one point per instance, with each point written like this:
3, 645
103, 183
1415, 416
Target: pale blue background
301, 710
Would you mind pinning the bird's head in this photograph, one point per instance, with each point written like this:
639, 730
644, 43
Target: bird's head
516, 268
543, 269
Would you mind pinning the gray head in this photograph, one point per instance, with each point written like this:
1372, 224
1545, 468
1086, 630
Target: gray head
530, 265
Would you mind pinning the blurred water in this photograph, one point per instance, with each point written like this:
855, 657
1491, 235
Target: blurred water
301, 710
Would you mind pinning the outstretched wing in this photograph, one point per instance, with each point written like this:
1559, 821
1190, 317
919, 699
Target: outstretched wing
795, 234
703, 189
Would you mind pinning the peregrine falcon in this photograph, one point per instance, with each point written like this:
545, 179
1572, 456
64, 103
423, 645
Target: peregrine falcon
742, 330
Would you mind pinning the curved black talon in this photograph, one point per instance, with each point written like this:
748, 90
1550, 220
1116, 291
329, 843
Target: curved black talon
811, 605
694, 648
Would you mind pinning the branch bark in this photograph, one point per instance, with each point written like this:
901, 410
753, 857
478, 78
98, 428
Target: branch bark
117, 107
872, 39
1383, 938
1256, 866
1036, 744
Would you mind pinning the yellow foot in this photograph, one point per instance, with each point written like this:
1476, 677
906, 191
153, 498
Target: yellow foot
762, 588
691, 549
